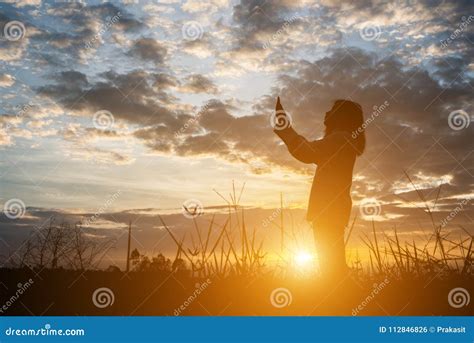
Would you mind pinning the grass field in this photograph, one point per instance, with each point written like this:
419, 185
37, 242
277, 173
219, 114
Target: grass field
224, 270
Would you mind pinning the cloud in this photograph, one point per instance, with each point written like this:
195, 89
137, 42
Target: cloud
5, 138
158, 86
201, 48
89, 26
193, 6
149, 49
6, 80
72, 78
99, 156
258, 16
132, 97
38, 124
197, 83
414, 96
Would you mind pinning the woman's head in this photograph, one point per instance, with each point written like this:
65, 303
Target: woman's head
347, 116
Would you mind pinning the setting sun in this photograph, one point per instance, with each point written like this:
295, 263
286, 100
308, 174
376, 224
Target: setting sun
303, 259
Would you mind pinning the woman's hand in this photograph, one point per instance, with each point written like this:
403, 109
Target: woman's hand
280, 120
279, 107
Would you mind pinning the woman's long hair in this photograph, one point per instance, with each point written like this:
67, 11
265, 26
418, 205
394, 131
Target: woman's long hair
347, 116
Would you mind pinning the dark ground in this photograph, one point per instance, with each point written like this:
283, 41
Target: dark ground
62, 292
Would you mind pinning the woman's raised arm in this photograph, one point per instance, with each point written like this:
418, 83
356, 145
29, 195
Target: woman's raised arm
298, 146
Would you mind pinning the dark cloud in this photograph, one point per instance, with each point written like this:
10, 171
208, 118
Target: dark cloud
254, 17
414, 97
149, 49
202, 47
88, 27
164, 81
416, 115
197, 83
72, 79
130, 97
158, 138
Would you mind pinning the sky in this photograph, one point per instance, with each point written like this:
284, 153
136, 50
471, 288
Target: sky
139, 107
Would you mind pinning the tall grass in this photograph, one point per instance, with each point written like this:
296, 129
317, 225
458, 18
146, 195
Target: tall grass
442, 257
221, 256
236, 250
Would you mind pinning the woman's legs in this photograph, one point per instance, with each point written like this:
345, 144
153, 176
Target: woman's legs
331, 249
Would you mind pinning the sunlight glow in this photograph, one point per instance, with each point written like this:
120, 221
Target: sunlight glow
303, 259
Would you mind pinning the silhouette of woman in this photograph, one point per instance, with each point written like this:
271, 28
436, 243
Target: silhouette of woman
335, 154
